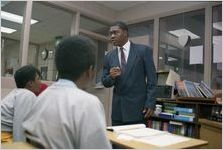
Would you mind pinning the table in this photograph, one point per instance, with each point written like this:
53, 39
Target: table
131, 144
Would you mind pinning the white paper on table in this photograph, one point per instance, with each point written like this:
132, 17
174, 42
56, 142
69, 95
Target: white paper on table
125, 127
125, 137
142, 132
196, 55
163, 140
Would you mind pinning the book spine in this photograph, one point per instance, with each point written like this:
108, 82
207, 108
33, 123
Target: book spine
180, 109
184, 118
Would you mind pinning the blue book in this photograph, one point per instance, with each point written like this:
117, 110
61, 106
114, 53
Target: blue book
186, 110
184, 118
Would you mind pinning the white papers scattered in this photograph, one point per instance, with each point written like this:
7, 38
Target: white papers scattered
126, 127
163, 140
196, 55
125, 137
142, 132
172, 77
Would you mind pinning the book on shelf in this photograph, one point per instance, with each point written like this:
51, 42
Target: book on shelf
182, 109
187, 88
184, 118
175, 127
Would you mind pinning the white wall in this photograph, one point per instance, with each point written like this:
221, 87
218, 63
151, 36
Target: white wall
89, 8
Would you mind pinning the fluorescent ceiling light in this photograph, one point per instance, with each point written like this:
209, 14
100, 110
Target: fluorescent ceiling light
7, 30
217, 25
182, 32
14, 17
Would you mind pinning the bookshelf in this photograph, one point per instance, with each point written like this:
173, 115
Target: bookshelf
173, 118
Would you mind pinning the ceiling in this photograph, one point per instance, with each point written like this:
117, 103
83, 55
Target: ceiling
121, 5
55, 22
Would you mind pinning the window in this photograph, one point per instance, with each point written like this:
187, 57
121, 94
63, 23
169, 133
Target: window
216, 73
54, 24
142, 33
93, 25
186, 59
10, 35
100, 39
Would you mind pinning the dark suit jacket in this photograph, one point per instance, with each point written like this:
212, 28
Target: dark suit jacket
135, 89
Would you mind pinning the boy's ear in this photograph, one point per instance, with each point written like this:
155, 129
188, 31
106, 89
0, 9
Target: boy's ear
29, 84
90, 72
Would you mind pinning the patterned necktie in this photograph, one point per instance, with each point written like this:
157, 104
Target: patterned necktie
123, 61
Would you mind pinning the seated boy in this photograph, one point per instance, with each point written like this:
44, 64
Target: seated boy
65, 116
16, 105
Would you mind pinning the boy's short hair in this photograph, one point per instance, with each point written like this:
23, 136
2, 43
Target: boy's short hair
25, 74
74, 55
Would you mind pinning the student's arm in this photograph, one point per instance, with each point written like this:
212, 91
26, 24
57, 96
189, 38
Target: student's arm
22, 107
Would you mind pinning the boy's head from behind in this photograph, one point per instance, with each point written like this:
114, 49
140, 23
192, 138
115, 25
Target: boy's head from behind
28, 77
75, 58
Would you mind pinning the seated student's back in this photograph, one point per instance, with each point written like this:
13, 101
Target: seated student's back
17, 104
65, 116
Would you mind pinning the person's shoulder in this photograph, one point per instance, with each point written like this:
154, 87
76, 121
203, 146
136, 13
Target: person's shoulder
25, 92
87, 97
141, 46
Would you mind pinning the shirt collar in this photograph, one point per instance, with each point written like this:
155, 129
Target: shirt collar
65, 82
126, 46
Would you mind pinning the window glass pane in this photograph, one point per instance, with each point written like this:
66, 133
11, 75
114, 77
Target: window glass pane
94, 26
54, 24
142, 33
101, 47
181, 44
216, 76
10, 40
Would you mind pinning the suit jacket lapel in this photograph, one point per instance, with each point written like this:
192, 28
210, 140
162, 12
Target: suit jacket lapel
116, 58
130, 61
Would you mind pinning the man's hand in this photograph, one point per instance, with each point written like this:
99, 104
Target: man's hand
148, 112
114, 72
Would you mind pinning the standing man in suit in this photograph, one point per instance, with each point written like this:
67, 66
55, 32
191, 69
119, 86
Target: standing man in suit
130, 69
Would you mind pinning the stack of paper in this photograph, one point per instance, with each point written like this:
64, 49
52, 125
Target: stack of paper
139, 132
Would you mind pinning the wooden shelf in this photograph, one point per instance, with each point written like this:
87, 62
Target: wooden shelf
210, 123
187, 100
202, 109
172, 119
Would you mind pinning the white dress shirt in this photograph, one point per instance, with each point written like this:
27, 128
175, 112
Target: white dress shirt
126, 49
14, 108
67, 117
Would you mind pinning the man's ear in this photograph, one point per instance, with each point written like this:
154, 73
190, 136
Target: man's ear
126, 33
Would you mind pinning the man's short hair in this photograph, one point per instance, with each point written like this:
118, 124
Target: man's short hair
25, 74
121, 25
74, 55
